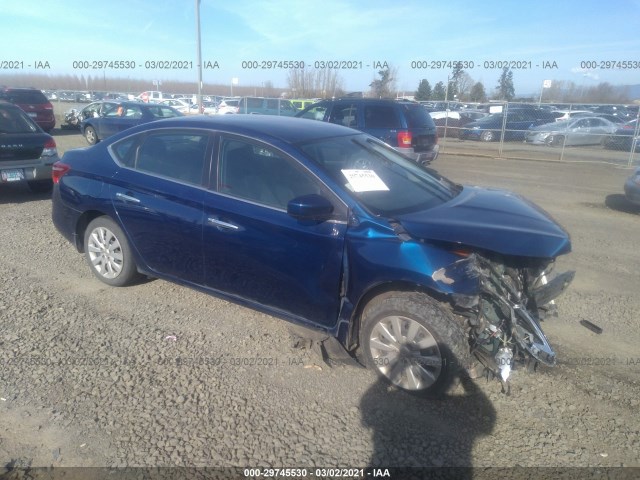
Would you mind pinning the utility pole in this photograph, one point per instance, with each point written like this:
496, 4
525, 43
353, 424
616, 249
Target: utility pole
199, 60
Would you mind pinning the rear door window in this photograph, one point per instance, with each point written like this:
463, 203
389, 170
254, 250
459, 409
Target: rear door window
345, 115
177, 155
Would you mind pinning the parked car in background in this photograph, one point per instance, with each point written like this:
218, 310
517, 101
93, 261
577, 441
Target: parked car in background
27, 153
152, 96
569, 114
612, 118
579, 131
450, 123
208, 108
632, 187
267, 106
328, 228
74, 117
518, 121
404, 125
179, 105
228, 105
301, 104
624, 138
34, 103
623, 112
125, 115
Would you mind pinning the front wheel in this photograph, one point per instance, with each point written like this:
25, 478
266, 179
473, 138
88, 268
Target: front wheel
108, 253
487, 136
413, 343
555, 140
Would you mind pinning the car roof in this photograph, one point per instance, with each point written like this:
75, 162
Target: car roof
288, 129
369, 100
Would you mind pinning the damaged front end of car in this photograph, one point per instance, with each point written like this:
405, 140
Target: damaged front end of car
506, 301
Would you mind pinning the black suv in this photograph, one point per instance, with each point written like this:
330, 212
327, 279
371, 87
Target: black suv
404, 125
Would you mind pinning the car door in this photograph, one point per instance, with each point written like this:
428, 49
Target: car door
598, 130
255, 251
580, 134
158, 197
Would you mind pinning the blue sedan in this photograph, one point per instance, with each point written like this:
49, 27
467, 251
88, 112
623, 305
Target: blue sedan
329, 228
116, 117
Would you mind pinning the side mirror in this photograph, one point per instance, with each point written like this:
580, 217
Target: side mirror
310, 207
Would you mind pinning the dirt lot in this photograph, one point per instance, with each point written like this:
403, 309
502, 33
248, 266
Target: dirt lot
160, 375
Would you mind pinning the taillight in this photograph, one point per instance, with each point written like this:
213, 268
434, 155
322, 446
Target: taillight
58, 170
48, 106
404, 139
50, 149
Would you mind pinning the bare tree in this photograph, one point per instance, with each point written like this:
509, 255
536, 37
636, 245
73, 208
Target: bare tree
313, 83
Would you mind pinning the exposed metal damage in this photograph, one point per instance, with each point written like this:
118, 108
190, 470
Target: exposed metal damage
512, 297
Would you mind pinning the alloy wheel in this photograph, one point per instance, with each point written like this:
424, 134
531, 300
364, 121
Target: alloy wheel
405, 352
105, 252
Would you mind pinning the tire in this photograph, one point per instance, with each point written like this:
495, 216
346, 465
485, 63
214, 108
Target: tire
555, 140
108, 254
487, 136
414, 343
91, 135
40, 186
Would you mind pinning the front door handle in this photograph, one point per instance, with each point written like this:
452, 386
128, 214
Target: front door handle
221, 224
127, 198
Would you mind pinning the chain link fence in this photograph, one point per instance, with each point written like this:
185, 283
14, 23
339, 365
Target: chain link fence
566, 133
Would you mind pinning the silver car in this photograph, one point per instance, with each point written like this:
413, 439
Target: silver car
632, 188
577, 131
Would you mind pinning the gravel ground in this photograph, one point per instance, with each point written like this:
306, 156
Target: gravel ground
160, 375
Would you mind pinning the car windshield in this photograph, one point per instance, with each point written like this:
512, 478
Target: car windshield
13, 120
384, 181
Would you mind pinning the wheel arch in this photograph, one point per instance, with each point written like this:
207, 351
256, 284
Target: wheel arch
379, 292
81, 226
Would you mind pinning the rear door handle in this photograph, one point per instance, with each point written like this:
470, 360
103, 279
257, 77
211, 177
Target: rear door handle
221, 224
127, 198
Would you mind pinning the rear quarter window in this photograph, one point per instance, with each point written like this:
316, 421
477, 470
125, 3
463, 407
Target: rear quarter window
417, 117
381, 116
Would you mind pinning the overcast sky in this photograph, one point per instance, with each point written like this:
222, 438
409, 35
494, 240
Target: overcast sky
535, 33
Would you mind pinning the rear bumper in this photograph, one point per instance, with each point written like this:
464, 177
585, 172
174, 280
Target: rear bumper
423, 158
31, 172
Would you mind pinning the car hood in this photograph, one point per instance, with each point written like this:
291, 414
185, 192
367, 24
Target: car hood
490, 219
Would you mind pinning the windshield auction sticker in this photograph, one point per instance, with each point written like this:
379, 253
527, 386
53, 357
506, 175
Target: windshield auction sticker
364, 180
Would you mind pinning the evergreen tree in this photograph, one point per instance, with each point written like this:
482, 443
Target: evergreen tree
439, 91
477, 93
424, 90
505, 89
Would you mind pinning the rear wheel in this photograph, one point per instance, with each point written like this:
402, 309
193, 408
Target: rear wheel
91, 135
108, 253
413, 342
